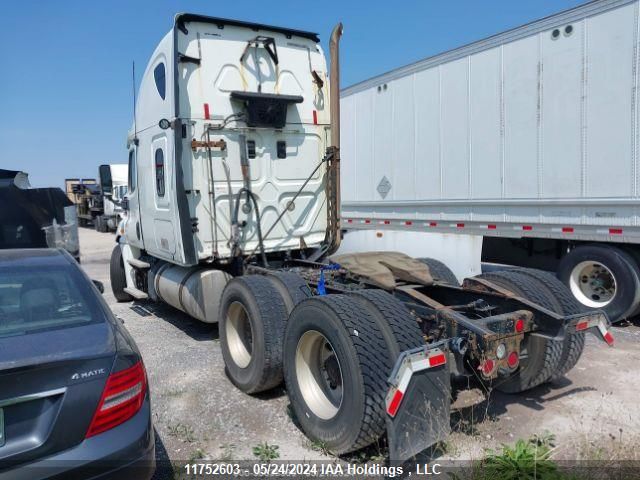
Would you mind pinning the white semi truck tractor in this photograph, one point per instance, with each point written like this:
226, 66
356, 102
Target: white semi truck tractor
233, 217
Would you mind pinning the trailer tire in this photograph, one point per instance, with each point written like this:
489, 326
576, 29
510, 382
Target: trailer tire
399, 329
566, 304
292, 288
252, 319
439, 271
610, 263
543, 354
118, 276
336, 370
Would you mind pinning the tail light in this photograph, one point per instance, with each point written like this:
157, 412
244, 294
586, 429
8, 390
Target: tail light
513, 359
121, 399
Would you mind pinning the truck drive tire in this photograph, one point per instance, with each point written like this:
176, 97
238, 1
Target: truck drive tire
252, 320
560, 301
117, 276
602, 277
399, 329
335, 369
292, 288
439, 271
542, 355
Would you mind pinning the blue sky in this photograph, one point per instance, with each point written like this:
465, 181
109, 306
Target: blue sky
65, 66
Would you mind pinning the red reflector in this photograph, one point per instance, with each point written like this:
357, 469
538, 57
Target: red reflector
387, 222
491, 227
437, 360
433, 224
315, 117
487, 366
527, 227
512, 359
367, 221
582, 326
392, 409
519, 325
206, 111
408, 222
460, 225
567, 229
121, 399
608, 338
615, 231
349, 220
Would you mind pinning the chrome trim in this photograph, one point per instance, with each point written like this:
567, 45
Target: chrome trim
32, 396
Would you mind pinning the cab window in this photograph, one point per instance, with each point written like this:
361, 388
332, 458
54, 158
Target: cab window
132, 171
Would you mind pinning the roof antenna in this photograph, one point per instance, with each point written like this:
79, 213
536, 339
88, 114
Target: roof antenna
133, 84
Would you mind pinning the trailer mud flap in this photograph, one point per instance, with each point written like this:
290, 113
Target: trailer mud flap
418, 405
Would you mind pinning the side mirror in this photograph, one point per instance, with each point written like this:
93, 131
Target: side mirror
99, 285
125, 203
106, 183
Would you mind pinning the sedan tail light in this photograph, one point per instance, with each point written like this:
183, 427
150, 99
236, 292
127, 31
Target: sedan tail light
121, 399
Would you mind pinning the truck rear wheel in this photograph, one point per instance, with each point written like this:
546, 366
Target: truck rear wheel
335, 369
540, 357
252, 319
602, 277
439, 271
399, 329
118, 276
560, 301
292, 288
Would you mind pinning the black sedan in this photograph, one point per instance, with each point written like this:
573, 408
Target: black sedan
74, 399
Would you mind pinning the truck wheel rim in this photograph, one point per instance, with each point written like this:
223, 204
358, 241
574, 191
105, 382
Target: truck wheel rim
239, 335
319, 374
593, 284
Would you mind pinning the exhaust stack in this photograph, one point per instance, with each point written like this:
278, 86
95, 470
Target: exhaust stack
333, 171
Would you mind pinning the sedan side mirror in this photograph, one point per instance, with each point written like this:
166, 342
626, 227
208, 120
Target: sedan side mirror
99, 285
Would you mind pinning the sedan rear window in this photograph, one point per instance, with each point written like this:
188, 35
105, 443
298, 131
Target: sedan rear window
37, 299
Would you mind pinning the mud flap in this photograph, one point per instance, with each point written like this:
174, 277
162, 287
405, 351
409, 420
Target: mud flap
423, 417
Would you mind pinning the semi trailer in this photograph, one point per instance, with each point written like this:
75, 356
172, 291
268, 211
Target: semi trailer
233, 216
522, 148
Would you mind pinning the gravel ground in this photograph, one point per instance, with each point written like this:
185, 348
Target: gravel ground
198, 412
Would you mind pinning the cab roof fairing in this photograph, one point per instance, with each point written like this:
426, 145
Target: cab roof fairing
181, 19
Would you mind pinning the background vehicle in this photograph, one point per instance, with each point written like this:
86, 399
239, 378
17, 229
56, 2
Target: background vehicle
527, 139
234, 194
35, 217
74, 399
86, 195
113, 181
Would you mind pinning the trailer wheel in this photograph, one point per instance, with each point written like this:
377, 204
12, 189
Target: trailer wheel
564, 303
602, 277
252, 319
292, 288
335, 369
439, 271
540, 357
399, 329
118, 276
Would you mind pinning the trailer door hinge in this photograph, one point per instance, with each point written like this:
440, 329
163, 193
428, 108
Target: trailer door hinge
194, 224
